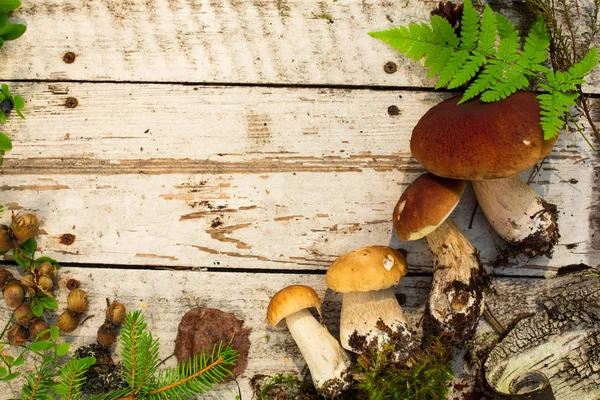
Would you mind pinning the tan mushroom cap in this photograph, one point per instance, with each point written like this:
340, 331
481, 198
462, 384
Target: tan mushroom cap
290, 300
426, 204
477, 140
366, 269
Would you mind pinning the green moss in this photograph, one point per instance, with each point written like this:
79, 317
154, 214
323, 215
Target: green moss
283, 387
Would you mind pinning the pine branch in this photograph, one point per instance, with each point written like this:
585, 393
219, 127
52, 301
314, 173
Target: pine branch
72, 378
132, 343
38, 383
149, 359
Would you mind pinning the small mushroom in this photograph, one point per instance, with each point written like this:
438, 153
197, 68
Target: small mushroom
456, 297
371, 315
327, 361
489, 144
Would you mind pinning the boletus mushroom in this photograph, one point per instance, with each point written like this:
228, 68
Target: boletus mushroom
327, 361
456, 297
371, 315
489, 144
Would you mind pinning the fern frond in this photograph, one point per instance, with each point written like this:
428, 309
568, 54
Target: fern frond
469, 31
486, 79
508, 48
535, 49
196, 376
72, 378
553, 107
38, 383
513, 80
468, 71
489, 32
586, 65
452, 67
132, 345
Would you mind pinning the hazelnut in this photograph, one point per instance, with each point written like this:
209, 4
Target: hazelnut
46, 269
77, 301
68, 321
23, 315
28, 280
5, 240
14, 294
45, 283
38, 326
24, 227
17, 335
116, 312
5, 277
107, 334
72, 284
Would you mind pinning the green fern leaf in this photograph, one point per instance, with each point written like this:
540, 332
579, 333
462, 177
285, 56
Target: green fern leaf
553, 107
468, 71
535, 49
486, 79
586, 65
513, 80
452, 67
489, 32
508, 48
469, 32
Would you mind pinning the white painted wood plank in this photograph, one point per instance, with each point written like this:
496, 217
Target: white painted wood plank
247, 177
165, 296
242, 41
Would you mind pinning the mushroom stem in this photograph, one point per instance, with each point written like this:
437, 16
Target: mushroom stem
519, 215
456, 297
327, 361
374, 316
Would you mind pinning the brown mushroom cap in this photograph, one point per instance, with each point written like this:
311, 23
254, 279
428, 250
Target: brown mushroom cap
366, 269
426, 204
290, 300
476, 140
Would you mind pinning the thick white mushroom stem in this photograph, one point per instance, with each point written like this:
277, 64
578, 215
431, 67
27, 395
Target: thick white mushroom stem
519, 215
327, 361
456, 297
372, 319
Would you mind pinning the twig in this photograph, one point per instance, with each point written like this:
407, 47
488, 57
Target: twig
493, 321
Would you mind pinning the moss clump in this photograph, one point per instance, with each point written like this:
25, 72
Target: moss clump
282, 387
425, 376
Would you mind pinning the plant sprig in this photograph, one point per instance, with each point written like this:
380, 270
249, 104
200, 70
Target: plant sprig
489, 49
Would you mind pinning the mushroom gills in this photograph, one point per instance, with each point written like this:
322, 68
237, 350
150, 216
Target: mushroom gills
519, 215
327, 361
457, 295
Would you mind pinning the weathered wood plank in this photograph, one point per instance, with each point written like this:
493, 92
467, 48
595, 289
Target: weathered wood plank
242, 41
246, 177
165, 296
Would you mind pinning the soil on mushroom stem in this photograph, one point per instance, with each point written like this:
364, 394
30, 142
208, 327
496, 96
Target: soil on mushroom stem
202, 328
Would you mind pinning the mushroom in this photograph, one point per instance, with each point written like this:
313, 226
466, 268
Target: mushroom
371, 315
489, 144
456, 297
327, 361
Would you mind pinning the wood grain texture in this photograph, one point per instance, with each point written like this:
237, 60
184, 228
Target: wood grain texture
276, 178
241, 41
165, 296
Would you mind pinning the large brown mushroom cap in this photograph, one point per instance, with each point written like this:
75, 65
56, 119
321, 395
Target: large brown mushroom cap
426, 204
366, 269
290, 300
476, 140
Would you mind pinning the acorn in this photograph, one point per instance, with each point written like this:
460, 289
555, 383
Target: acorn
23, 315
17, 335
45, 283
38, 326
5, 277
5, 241
24, 226
116, 312
77, 301
46, 269
68, 321
28, 280
107, 334
14, 294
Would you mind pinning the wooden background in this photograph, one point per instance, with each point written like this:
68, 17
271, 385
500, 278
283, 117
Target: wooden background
242, 145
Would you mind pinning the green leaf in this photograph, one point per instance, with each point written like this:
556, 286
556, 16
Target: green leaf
28, 247
5, 143
468, 71
54, 332
489, 32
19, 113
19, 361
457, 60
18, 102
49, 303
513, 80
12, 31
535, 49
44, 259
469, 27
41, 345
586, 65
86, 362
10, 377
508, 48
2, 117
62, 349
42, 333
23, 262
3, 371
3, 19
6, 89
9, 5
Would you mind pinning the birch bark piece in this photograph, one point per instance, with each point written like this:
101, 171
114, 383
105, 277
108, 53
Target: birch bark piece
560, 341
